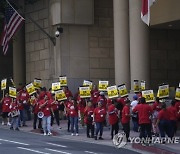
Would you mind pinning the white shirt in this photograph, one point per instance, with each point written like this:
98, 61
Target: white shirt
134, 103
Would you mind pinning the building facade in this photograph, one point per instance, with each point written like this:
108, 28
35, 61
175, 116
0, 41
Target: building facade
101, 40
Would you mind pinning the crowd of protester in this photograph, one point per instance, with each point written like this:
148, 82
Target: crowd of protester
95, 112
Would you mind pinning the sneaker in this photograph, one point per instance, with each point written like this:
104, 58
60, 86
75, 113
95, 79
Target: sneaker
72, 134
2, 123
100, 138
77, 134
49, 134
17, 129
8, 124
45, 134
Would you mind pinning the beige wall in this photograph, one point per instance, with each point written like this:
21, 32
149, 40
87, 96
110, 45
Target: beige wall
165, 11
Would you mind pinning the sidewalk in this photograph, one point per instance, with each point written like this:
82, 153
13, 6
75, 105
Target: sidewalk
62, 133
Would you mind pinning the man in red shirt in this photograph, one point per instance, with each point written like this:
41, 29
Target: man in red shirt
45, 107
81, 106
173, 115
144, 112
113, 118
163, 121
99, 118
94, 95
126, 119
5, 102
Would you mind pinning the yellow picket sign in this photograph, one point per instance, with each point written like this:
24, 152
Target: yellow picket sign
177, 97
37, 83
123, 90
112, 91
163, 91
30, 89
88, 83
3, 84
85, 92
136, 86
55, 86
148, 95
60, 95
12, 92
143, 85
63, 80
103, 85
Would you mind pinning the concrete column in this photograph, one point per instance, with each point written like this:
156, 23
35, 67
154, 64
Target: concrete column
19, 57
121, 42
139, 44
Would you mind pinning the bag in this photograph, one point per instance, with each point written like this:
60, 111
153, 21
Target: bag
15, 113
90, 118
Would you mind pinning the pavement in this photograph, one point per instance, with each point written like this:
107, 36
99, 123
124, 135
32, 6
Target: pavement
136, 148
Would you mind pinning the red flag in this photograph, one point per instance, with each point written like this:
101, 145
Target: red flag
145, 11
12, 22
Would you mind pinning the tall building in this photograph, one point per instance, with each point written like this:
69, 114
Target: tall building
101, 40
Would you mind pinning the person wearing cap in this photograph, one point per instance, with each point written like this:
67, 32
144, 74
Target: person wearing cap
163, 121
88, 119
126, 119
99, 118
135, 115
113, 118
144, 112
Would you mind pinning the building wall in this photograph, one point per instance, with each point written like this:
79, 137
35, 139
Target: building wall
165, 57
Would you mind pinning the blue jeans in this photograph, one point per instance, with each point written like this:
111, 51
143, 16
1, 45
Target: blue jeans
14, 120
46, 122
165, 128
74, 123
99, 128
22, 117
135, 125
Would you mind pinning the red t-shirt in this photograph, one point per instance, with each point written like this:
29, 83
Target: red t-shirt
109, 102
81, 104
14, 106
68, 93
47, 108
156, 106
99, 114
41, 95
88, 111
94, 96
5, 104
113, 114
73, 111
24, 96
35, 104
163, 115
55, 106
48, 93
68, 104
125, 119
144, 112
172, 113
177, 105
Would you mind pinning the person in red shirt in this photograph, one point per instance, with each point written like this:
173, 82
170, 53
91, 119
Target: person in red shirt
113, 118
55, 113
94, 95
144, 112
103, 100
177, 106
45, 107
14, 113
5, 102
126, 119
67, 92
73, 114
81, 106
88, 119
99, 118
163, 121
35, 106
173, 115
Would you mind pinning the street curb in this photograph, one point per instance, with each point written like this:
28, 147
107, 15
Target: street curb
153, 149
